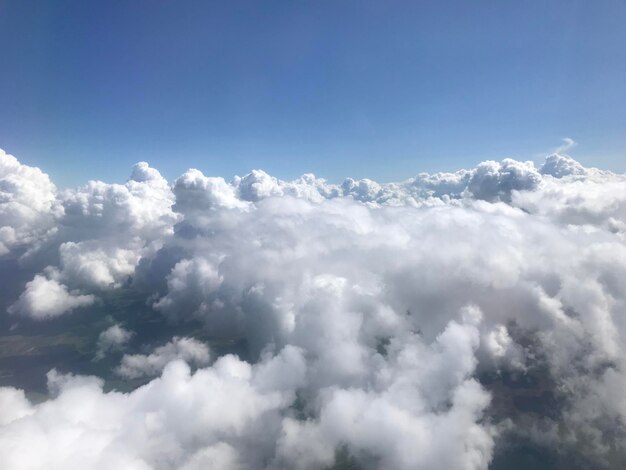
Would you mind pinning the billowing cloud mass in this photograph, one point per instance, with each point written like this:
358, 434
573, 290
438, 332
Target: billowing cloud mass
28, 204
430, 323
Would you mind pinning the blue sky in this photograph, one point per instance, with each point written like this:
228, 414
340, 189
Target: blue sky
340, 88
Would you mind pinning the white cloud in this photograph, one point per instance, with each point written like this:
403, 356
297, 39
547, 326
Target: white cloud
558, 165
495, 181
13, 404
141, 208
420, 412
217, 415
567, 144
47, 298
190, 285
111, 339
198, 193
258, 185
95, 234
89, 264
185, 349
28, 204
370, 310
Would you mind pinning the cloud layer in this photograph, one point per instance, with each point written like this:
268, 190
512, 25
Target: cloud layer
393, 325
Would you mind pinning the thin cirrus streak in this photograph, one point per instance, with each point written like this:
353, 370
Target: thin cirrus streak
388, 325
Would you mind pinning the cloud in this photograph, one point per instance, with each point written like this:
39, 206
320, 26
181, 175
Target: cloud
111, 339
190, 284
140, 208
399, 323
14, 405
561, 165
421, 413
91, 237
29, 206
89, 264
494, 181
47, 298
198, 193
595, 199
185, 349
216, 415
568, 143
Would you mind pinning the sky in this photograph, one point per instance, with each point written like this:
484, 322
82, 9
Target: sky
364, 89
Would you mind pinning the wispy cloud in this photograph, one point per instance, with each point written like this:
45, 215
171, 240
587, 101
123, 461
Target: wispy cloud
568, 143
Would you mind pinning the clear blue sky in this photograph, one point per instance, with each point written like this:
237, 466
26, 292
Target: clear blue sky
341, 88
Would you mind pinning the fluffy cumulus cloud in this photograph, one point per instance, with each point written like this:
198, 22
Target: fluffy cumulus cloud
421, 324
185, 349
29, 206
218, 416
112, 339
419, 411
91, 238
46, 298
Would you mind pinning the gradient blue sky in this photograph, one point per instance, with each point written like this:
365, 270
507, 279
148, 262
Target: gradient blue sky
379, 89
